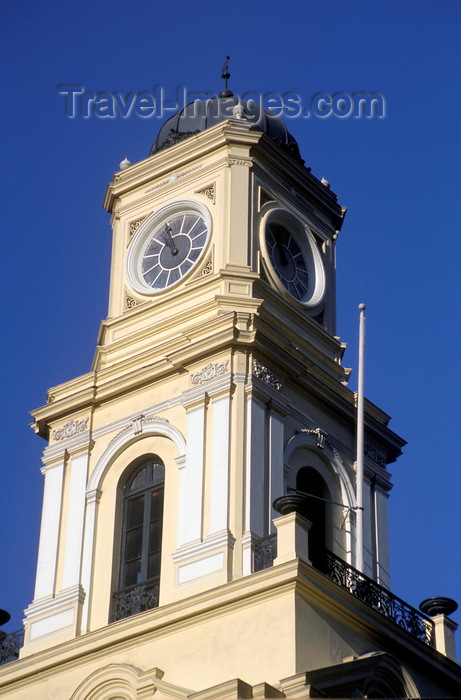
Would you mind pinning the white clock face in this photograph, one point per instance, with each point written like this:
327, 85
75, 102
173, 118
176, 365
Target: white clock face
294, 262
167, 246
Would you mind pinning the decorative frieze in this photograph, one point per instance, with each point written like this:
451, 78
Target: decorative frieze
209, 191
131, 302
211, 371
134, 225
207, 269
375, 455
73, 427
172, 178
240, 161
136, 425
266, 375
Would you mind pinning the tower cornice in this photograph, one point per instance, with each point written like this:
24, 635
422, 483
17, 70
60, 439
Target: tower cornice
177, 158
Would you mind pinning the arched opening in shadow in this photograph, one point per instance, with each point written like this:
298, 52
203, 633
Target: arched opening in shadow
309, 481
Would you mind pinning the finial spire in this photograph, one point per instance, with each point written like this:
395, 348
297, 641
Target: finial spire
225, 75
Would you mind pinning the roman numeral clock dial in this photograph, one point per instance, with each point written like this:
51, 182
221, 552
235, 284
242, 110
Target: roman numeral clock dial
292, 259
167, 246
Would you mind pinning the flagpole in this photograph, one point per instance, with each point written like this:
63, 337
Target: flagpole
360, 441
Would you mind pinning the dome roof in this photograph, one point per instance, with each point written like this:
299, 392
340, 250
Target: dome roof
201, 114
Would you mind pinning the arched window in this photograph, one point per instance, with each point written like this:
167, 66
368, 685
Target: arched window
309, 481
141, 545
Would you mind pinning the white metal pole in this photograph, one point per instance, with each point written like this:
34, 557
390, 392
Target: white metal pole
360, 441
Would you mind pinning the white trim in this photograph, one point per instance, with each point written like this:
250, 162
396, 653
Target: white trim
305, 240
149, 412
49, 531
75, 519
247, 553
195, 549
71, 444
200, 568
328, 456
191, 480
152, 426
52, 624
219, 490
92, 500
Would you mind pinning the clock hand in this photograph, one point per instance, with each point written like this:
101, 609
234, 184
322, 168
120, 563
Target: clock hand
168, 239
279, 244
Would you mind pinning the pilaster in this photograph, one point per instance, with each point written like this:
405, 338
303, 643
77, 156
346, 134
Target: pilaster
56, 611
205, 544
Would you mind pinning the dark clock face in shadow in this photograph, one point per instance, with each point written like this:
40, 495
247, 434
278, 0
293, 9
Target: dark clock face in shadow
289, 261
173, 249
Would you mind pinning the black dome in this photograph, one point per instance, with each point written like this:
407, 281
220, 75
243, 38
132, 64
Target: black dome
201, 114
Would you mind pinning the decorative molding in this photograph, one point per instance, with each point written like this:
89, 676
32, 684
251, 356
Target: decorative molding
375, 455
200, 568
134, 225
212, 543
172, 178
151, 410
126, 429
137, 424
69, 429
322, 441
154, 419
131, 302
207, 269
208, 191
321, 435
240, 161
211, 371
336, 454
266, 375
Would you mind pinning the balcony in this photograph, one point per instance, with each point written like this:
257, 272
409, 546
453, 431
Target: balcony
10, 644
135, 599
379, 598
360, 586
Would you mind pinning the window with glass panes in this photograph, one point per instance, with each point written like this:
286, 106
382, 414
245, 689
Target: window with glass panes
142, 523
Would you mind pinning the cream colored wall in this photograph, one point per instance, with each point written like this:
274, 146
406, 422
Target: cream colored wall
267, 627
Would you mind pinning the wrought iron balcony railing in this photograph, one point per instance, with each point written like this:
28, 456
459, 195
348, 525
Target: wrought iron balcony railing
135, 599
378, 598
359, 585
10, 645
264, 552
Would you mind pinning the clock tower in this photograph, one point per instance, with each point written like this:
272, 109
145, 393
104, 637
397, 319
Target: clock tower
198, 532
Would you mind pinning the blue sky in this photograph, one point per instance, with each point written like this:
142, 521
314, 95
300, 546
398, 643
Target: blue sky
398, 252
